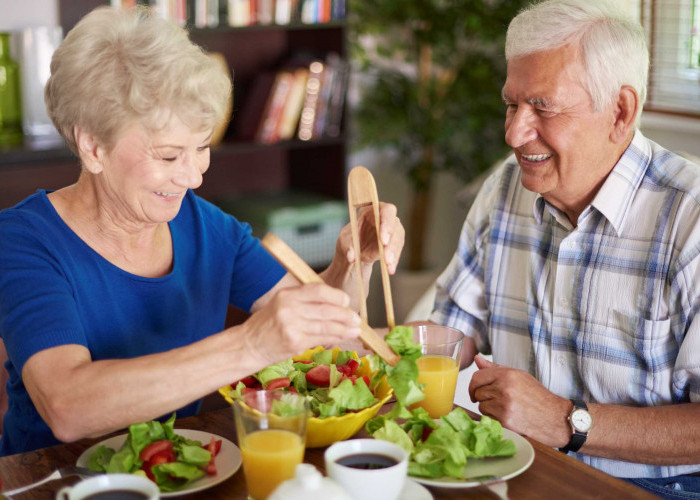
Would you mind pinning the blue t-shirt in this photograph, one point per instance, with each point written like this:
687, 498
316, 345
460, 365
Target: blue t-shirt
56, 290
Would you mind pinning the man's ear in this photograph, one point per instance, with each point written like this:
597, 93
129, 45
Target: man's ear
90, 151
625, 112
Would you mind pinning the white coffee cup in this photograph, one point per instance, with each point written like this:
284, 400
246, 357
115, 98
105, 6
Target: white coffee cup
140, 487
362, 483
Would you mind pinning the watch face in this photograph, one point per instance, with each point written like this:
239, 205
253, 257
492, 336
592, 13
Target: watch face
581, 420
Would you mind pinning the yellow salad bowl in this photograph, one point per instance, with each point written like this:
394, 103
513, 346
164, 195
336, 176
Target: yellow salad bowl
325, 431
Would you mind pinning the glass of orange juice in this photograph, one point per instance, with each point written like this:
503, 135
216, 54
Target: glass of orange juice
271, 428
441, 348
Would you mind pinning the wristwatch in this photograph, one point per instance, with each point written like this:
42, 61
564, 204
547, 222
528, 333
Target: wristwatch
581, 422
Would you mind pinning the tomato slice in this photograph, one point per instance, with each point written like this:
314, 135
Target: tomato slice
319, 375
213, 447
352, 365
277, 383
248, 381
154, 448
211, 468
162, 457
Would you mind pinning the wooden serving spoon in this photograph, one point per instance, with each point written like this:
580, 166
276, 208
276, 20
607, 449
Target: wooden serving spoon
302, 272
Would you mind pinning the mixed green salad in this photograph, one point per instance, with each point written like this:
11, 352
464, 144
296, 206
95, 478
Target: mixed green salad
331, 379
154, 450
436, 449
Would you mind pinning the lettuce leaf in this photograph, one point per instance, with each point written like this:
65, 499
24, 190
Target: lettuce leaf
194, 455
99, 460
400, 339
123, 461
404, 379
323, 357
281, 369
345, 356
174, 475
351, 396
391, 431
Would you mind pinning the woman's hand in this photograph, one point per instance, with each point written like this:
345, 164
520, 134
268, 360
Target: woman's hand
391, 232
341, 272
298, 318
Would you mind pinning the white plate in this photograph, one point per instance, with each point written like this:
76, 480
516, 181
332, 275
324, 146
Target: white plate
414, 491
506, 468
227, 461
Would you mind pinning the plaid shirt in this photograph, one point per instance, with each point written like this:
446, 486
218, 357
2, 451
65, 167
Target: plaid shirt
604, 311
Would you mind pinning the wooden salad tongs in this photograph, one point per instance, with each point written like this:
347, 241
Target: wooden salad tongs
302, 272
362, 191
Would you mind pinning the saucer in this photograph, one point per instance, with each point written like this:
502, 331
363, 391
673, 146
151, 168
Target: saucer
414, 491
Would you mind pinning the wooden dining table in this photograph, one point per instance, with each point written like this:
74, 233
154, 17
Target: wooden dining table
551, 475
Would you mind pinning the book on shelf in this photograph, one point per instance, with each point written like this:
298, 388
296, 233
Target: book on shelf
247, 121
308, 110
283, 11
204, 13
292, 107
269, 125
325, 99
336, 103
304, 99
265, 12
239, 13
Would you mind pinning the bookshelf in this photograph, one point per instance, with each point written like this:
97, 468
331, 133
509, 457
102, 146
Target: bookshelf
237, 165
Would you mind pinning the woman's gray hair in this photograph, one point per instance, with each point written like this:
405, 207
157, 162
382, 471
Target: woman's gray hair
613, 46
117, 67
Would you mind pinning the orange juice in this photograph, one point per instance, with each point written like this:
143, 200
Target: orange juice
439, 374
269, 457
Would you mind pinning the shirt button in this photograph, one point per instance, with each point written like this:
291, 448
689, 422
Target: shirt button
563, 300
561, 360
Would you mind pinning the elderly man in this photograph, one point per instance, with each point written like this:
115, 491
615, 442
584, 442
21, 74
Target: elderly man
578, 263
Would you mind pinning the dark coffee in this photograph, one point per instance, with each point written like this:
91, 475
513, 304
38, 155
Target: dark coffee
118, 495
367, 461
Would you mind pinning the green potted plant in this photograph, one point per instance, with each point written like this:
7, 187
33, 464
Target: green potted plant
433, 72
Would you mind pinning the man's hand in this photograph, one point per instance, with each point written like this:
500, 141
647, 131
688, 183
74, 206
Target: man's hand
517, 400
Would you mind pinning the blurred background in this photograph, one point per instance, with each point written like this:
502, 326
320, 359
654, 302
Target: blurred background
409, 89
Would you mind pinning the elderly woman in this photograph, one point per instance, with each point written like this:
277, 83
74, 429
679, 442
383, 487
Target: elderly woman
114, 290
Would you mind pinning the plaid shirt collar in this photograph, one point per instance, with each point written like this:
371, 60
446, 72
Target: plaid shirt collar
617, 192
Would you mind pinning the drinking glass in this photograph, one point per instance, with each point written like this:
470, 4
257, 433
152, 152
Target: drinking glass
271, 427
438, 366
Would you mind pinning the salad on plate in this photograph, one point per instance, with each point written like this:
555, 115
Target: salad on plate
154, 450
436, 448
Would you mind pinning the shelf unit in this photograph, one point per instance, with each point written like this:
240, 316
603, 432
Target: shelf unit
236, 166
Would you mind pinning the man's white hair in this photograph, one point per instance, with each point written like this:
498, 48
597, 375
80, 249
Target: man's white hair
612, 45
